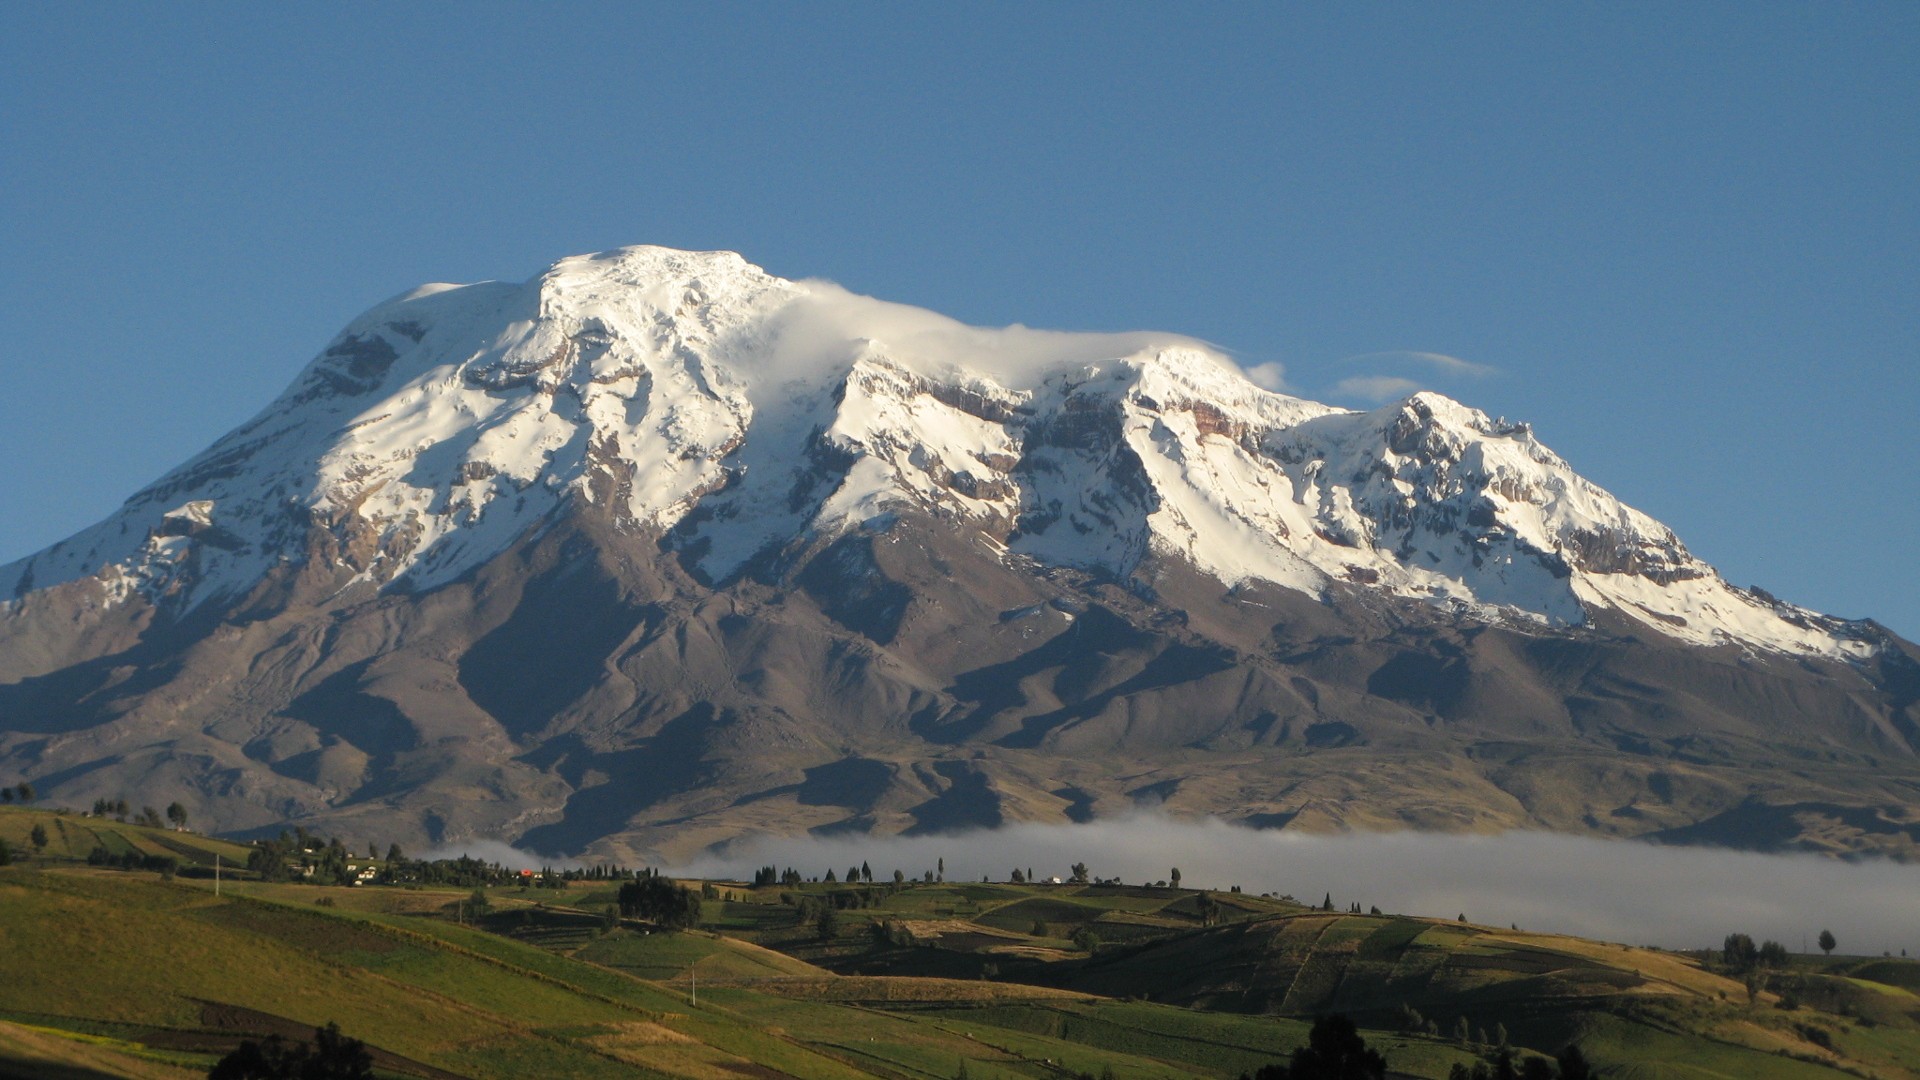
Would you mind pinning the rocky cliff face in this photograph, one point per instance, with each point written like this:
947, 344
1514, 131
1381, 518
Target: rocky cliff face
658, 549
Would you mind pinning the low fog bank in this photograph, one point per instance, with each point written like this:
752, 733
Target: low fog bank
1621, 891
496, 851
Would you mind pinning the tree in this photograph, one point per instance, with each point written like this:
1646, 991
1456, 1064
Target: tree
943, 868
26, 792
1018, 878
1738, 953
830, 879
394, 854
1175, 877
1503, 1068
1827, 942
827, 926
1773, 955
1084, 938
658, 900
1208, 908
1079, 873
1038, 929
177, 815
1573, 1064
866, 872
899, 877
1335, 1051
39, 838
1327, 904
6, 795
477, 902
339, 1057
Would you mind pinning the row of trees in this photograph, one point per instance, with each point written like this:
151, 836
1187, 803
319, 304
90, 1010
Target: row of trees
768, 876
176, 814
22, 792
166, 865
1507, 1065
331, 1056
1078, 874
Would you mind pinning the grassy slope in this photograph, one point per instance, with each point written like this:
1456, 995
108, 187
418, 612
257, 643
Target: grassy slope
1643, 1011
53, 1054
70, 837
129, 956
540, 989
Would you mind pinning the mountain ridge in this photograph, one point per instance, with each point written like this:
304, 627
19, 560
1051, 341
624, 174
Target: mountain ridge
658, 549
723, 347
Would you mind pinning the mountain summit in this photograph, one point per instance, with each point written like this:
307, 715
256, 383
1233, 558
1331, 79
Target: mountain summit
657, 549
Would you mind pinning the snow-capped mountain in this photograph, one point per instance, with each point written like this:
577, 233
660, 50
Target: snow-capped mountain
658, 550
695, 394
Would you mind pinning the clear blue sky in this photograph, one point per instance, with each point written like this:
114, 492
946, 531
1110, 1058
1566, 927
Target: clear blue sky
1686, 237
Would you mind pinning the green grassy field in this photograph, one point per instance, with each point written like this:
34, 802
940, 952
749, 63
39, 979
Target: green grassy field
124, 973
173, 975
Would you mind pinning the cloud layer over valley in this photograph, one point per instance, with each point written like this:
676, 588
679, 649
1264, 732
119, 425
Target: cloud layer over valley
1628, 892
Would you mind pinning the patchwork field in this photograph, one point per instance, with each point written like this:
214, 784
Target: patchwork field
108, 972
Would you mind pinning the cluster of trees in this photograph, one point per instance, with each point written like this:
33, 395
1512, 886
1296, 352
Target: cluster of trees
331, 1056
328, 862
118, 809
660, 901
1752, 964
768, 875
167, 865
275, 860
22, 791
822, 911
1334, 1051
1504, 1063
1507, 1065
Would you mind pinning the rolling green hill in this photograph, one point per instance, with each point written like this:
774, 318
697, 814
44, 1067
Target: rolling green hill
107, 972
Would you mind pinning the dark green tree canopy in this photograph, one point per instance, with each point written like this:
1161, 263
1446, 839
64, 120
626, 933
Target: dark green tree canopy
658, 900
1739, 953
1334, 1051
331, 1056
